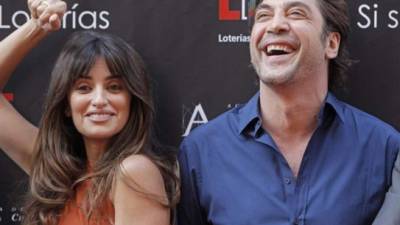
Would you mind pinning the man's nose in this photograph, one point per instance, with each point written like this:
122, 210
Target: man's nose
278, 24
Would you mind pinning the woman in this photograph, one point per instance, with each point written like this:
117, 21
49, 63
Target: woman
92, 160
389, 214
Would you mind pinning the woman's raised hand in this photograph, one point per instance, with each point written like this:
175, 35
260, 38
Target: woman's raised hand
48, 14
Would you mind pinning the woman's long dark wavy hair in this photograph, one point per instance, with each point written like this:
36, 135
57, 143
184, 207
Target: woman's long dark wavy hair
60, 162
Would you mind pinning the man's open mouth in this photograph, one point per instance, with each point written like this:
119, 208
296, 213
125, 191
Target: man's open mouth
278, 49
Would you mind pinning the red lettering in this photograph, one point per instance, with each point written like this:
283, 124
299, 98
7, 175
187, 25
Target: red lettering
9, 96
225, 13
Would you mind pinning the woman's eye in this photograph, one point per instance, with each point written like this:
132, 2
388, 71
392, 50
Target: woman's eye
83, 88
115, 87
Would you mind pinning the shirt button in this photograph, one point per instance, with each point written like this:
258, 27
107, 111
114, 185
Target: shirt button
287, 181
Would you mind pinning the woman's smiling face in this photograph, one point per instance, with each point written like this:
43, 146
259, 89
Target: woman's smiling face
99, 103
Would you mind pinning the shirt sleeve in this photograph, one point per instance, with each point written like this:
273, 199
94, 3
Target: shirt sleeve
389, 214
189, 209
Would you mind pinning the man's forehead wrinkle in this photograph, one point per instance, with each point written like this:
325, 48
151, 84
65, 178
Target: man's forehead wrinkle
286, 4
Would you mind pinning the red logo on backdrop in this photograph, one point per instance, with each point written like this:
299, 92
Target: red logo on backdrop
228, 14
9, 96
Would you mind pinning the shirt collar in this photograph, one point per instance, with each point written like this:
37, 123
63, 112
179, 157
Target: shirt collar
337, 106
249, 114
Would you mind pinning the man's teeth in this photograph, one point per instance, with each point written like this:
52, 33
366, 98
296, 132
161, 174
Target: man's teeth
278, 49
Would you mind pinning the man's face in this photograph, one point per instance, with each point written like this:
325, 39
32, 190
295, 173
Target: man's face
286, 40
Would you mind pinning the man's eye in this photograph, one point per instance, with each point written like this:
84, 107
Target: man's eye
296, 13
262, 15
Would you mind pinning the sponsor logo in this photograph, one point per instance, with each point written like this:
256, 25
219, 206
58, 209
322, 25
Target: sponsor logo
16, 214
229, 38
13, 215
9, 96
74, 18
195, 116
229, 13
371, 17
232, 10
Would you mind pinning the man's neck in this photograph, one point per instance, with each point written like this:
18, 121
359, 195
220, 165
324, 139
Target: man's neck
290, 110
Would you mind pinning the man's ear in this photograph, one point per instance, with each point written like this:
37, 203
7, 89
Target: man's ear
332, 45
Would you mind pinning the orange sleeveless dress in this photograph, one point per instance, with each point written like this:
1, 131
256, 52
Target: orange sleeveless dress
73, 214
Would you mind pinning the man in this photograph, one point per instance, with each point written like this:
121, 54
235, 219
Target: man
294, 154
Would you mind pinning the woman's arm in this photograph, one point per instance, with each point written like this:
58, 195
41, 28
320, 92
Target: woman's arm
389, 214
138, 194
17, 135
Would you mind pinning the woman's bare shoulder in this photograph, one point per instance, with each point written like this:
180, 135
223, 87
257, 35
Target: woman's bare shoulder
140, 192
143, 173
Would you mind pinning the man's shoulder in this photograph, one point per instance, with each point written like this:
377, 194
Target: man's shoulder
366, 121
224, 122
218, 129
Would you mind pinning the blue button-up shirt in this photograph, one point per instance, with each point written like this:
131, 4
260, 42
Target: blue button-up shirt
234, 174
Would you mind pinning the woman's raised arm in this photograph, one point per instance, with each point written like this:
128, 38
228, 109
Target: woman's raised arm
17, 135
